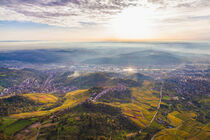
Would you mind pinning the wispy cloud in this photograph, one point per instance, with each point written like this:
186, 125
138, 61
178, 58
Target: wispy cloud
71, 13
82, 13
62, 12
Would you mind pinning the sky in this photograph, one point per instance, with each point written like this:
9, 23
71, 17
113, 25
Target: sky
104, 20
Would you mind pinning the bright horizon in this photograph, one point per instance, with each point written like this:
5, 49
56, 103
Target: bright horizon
110, 20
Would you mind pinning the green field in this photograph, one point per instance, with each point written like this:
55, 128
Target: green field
16, 126
6, 122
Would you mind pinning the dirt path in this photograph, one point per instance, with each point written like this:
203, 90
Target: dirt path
158, 107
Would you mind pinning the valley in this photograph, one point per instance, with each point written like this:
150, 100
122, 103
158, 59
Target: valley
122, 93
61, 104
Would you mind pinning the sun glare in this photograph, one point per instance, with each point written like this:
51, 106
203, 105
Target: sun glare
134, 23
129, 70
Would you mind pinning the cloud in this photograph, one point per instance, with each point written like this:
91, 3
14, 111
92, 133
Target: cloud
169, 14
181, 3
67, 13
206, 17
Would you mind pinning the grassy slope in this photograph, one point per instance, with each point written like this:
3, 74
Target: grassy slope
42, 98
143, 105
11, 77
14, 123
72, 99
175, 121
6, 122
16, 126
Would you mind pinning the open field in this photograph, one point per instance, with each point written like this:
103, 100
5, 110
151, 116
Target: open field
6, 122
41, 98
16, 126
72, 99
175, 121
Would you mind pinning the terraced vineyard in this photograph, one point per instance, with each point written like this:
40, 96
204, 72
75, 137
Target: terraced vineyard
16, 122
72, 99
131, 110
42, 98
187, 130
143, 106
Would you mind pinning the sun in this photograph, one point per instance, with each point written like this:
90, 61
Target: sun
134, 23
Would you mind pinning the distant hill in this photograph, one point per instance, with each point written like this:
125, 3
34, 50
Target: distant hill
112, 56
46, 55
100, 79
138, 77
147, 57
11, 77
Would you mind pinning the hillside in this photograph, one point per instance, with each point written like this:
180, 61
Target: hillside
107, 105
46, 56
87, 80
148, 57
11, 77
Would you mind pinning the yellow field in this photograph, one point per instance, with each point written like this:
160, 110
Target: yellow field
4, 97
176, 118
189, 130
142, 100
205, 101
171, 134
72, 99
41, 98
173, 119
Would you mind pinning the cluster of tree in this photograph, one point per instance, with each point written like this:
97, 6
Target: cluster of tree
99, 79
89, 121
17, 104
117, 96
